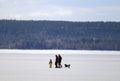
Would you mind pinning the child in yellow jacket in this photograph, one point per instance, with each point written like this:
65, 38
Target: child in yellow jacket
50, 63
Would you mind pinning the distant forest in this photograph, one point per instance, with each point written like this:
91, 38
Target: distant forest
28, 34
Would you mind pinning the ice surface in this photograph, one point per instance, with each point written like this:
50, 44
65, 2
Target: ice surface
32, 65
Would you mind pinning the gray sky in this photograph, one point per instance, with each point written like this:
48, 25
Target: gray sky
67, 10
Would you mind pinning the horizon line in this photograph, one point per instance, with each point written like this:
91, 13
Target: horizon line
57, 20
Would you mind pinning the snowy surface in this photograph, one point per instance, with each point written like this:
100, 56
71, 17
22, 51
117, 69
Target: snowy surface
32, 65
15, 51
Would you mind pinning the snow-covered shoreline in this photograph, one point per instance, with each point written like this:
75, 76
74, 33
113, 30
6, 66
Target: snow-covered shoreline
32, 65
19, 51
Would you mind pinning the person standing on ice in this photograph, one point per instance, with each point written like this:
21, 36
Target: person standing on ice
50, 63
59, 61
56, 61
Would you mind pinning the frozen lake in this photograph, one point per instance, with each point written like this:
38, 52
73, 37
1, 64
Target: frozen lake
85, 66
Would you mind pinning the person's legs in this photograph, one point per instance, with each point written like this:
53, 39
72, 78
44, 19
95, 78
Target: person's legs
55, 64
60, 64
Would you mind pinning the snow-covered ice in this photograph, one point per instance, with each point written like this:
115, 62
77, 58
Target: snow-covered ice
32, 65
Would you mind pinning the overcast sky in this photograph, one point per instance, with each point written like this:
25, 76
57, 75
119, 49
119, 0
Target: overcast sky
67, 10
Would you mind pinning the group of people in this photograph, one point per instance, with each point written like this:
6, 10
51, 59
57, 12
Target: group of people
58, 60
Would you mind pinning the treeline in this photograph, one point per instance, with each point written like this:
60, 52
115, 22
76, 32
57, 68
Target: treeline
15, 34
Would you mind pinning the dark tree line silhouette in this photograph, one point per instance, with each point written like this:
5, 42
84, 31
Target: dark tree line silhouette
21, 34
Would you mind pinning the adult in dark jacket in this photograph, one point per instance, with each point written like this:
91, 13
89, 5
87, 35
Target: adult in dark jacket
59, 61
56, 61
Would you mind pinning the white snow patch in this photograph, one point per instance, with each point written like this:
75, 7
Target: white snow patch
16, 51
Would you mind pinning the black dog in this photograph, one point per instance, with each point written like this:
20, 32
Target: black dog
67, 65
